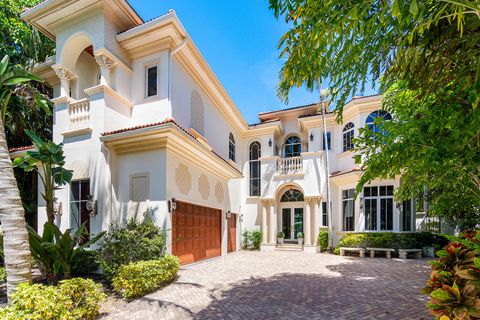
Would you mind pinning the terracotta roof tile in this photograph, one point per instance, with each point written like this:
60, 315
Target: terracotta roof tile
339, 173
20, 148
168, 120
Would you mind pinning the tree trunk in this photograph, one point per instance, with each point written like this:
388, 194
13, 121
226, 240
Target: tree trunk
12, 218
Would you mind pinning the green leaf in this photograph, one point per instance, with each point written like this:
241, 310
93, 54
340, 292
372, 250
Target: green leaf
396, 9
440, 294
413, 8
4, 64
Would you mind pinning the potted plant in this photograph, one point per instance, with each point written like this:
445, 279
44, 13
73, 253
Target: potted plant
300, 238
280, 237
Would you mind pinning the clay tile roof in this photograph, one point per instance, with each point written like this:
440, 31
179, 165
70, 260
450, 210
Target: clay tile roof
144, 22
288, 109
263, 122
20, 148
339, 173
168, 120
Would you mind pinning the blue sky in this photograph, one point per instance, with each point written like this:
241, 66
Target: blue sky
239, 40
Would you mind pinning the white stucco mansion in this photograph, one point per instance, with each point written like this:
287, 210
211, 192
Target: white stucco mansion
147, 127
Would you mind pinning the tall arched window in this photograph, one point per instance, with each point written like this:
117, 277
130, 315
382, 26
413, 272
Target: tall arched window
197, 112
370, 122
293, 147
231, 147
348, 133
255, 154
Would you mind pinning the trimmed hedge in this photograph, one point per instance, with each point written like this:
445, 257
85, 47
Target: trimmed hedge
414, 240
71, 299
139, 278
323, 239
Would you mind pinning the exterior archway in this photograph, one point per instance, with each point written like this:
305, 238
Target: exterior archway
73, 47
290, 208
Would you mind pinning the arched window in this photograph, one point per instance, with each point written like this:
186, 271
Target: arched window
370, 122
348, 133
292, 195
293, 147
255, 154
197, 111
231, 147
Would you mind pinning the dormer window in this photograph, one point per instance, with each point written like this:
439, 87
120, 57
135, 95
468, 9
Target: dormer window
151, 81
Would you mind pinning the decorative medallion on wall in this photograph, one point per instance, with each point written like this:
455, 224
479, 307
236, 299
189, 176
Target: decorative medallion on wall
204, 187
183, 179
219, 194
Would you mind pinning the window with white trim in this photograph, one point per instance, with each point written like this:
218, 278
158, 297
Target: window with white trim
293, 147
329, 140
378, 207
151, 81
348, 133
348, 209
324, 214
255, 179
231, 147
79, 192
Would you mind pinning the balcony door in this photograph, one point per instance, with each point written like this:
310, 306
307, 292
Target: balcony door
291, 207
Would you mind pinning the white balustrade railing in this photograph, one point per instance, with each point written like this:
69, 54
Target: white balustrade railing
79, 112
291, 165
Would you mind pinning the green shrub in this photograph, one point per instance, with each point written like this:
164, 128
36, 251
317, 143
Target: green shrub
300, 235
256, 239
3, 274
281, 235
390, 240
323, 239
454, 284
134, 241
251, 240
139, 278
85, 262
71, 299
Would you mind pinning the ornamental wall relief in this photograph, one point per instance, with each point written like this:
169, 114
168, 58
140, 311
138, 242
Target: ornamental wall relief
204, 187
183, 179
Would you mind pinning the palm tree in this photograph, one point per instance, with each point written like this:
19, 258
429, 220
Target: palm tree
16, 246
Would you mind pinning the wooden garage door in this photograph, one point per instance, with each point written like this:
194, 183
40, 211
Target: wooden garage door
196, 232
232, 233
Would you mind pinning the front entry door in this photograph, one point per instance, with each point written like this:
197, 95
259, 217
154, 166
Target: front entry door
292, 222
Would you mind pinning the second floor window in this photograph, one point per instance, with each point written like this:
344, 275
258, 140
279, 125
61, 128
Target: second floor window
348, 133
329, 140
255, 154
231, 147
348, 208
374, 124
293, 147
151, 81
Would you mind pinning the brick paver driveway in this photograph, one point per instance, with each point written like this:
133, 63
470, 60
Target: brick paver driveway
288, 285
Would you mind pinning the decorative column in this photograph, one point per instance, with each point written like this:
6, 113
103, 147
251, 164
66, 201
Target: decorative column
307, 223
316, 220
273, 222
65, 76
105, 63
264, 223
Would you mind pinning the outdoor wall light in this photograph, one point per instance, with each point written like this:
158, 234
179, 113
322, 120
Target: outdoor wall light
311, 136
361, 202
91, 206
270, 142
228, 214
172, 205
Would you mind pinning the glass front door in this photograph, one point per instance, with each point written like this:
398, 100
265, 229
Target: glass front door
292, 222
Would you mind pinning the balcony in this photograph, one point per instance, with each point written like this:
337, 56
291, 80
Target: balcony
290, 166
79, 118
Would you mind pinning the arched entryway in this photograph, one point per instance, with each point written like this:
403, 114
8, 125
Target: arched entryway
291, 206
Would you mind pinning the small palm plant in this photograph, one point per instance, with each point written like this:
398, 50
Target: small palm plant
12, 216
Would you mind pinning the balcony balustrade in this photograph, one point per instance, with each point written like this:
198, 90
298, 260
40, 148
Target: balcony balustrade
293, 165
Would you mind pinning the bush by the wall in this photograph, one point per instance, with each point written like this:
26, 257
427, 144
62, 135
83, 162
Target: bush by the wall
139, 278
251, 240
391, 240
85, 262
323, 239
3, 274
71, 299
454, 284
135, 241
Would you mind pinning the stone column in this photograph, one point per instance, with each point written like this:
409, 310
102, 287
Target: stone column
264, 223
307, 223
105, 63
273, 223
316, 220
65, 76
